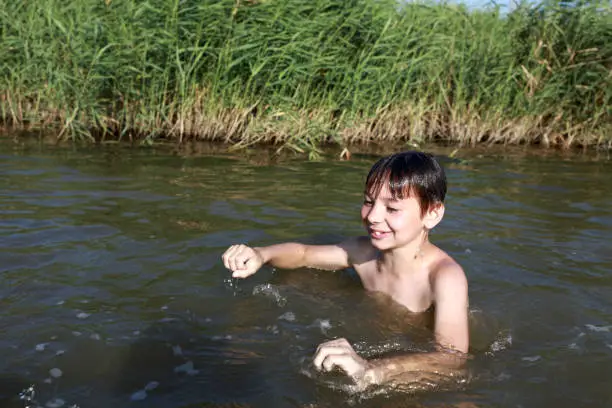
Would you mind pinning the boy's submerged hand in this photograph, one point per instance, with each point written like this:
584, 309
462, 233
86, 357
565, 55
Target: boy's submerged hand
242, 260
339, 353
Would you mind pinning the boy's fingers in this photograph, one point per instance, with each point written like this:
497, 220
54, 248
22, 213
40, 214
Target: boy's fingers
232, 263
227, 256
332, 359
240, 263
239, 260
225, 261
238, 257
340, 360
243, 273
326, 351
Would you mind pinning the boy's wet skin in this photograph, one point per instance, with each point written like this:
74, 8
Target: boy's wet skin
403, 200
386, 317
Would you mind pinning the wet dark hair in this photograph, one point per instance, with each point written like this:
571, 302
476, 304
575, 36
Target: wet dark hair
406, 174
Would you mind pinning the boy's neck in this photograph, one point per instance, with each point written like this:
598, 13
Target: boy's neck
404, 259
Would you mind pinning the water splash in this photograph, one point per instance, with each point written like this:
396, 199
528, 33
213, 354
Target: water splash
271, 292
502, 342
356, 393
232, 284
28, 396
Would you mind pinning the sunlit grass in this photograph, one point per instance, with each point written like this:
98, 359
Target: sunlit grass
305, 73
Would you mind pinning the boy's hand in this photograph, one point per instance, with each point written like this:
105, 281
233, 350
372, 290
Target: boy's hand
339, 353
242, 260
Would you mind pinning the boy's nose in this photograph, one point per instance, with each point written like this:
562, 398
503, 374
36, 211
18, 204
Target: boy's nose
375, 214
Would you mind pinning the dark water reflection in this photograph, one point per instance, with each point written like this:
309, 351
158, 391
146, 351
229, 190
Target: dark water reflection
111, 273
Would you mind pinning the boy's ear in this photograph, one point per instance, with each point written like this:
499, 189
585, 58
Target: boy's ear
433, 216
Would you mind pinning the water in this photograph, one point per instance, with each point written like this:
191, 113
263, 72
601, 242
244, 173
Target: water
113, 292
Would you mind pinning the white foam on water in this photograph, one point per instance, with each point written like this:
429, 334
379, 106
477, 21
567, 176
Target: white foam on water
575, 344
288, 316
55, 403
151, 386
55, 372
41, 346
609, 346
83, 315
143, 394
503, 377
138, 395
595, 328
60, 352
76, 333
186, 368
60, 302
177, 350
531, 359
95, 336
226, 337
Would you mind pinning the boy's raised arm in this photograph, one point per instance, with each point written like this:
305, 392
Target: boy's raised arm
244, 261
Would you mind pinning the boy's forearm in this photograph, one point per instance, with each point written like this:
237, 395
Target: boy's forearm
286, 256
412, 367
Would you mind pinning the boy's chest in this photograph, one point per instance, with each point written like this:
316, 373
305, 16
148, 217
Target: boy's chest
413, 290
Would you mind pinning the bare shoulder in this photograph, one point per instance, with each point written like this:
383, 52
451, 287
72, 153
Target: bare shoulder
446, 274
359, 250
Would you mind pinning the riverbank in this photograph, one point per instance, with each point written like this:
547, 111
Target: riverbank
305, 74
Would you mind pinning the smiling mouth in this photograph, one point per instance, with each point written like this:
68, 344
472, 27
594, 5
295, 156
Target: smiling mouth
378, 234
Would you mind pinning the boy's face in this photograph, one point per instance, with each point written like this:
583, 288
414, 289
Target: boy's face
394, 223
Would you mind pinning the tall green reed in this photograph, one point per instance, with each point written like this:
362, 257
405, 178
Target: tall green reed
308, 72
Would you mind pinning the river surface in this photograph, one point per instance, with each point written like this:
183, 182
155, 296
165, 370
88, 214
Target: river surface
113, 293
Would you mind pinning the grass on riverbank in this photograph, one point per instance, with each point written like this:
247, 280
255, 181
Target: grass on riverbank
304, 73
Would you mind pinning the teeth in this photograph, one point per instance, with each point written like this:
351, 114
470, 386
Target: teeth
377, 234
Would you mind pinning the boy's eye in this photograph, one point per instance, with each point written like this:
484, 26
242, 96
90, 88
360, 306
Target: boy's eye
368, 202
392, 210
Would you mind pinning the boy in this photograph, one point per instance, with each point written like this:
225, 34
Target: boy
404, 200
